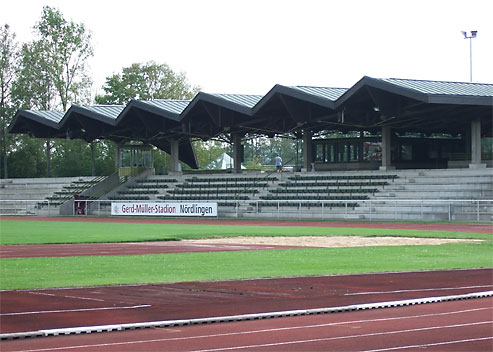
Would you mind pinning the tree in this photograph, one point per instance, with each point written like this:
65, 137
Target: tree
34, 87
53, 71
67, 47
207, 152
27, 158
146, 81
9, 55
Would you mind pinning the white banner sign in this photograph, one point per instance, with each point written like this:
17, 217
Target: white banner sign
164, 209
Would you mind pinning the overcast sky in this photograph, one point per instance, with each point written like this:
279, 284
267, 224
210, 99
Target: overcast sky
248, 46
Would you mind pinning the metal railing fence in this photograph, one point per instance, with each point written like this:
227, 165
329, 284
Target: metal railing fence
371, 209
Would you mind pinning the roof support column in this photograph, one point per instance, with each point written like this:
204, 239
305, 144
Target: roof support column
237, 147
307, 150
93, 159
174, 150
476, 145
48, 157
361, 144
386, 149
118, 160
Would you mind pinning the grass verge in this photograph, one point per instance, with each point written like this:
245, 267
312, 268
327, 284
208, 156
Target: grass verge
30, 273
45, 232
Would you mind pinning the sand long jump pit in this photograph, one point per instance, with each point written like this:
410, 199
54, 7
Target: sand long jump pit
331, 241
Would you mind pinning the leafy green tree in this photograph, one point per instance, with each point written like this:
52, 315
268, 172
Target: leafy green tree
105, 157
9, 55
53, 69
207, 152
27, 158
67, 48
288, 147
34, 88
72, 158
161, 161
146, 81
260, 150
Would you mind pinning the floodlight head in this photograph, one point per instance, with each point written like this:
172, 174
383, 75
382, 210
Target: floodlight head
465, 34
474, 34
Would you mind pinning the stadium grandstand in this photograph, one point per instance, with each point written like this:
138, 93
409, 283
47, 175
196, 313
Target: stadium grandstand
416, 154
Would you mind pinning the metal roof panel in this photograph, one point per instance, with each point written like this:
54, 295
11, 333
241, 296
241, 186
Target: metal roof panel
110, 111
442, 87
247, 100
173, 106
53, 116
323, 92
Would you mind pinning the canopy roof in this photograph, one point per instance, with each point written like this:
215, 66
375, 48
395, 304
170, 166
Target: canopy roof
405, 105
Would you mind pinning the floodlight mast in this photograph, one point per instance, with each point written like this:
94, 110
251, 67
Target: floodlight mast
473, 34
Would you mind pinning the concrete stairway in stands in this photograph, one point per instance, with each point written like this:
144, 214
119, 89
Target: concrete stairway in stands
433, 194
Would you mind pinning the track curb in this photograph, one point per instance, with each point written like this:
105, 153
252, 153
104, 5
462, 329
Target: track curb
241, 317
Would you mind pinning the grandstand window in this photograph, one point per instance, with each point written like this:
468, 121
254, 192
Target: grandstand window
354, 151
332, 153
320, 153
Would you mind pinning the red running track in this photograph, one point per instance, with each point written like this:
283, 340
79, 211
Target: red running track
447, 326
31, 310
127, 248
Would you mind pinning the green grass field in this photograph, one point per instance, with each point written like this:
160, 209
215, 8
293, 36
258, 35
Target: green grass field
23, 273
43, 232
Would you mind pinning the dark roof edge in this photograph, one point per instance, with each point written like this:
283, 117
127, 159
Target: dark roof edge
386, 86
21, 113
294, 93
138, 104
81, 110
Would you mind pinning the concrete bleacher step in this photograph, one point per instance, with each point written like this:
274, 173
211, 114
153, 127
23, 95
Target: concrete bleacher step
476, 186
434, 195
421, 187
29, 193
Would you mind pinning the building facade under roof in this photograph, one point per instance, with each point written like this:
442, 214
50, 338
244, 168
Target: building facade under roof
393, 122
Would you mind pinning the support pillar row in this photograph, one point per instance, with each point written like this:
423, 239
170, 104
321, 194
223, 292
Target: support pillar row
307, 150
237, 153
174, 153
386, 149
476, 145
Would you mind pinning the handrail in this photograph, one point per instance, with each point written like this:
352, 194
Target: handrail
480, 209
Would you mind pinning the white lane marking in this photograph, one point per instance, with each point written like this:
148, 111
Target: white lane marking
84, 298
342, 337
76, 297
42, 293
74, 310
261, 330
432, 344
416, 290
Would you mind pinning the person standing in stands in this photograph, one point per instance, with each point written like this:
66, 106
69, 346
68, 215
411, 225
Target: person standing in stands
278, 163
